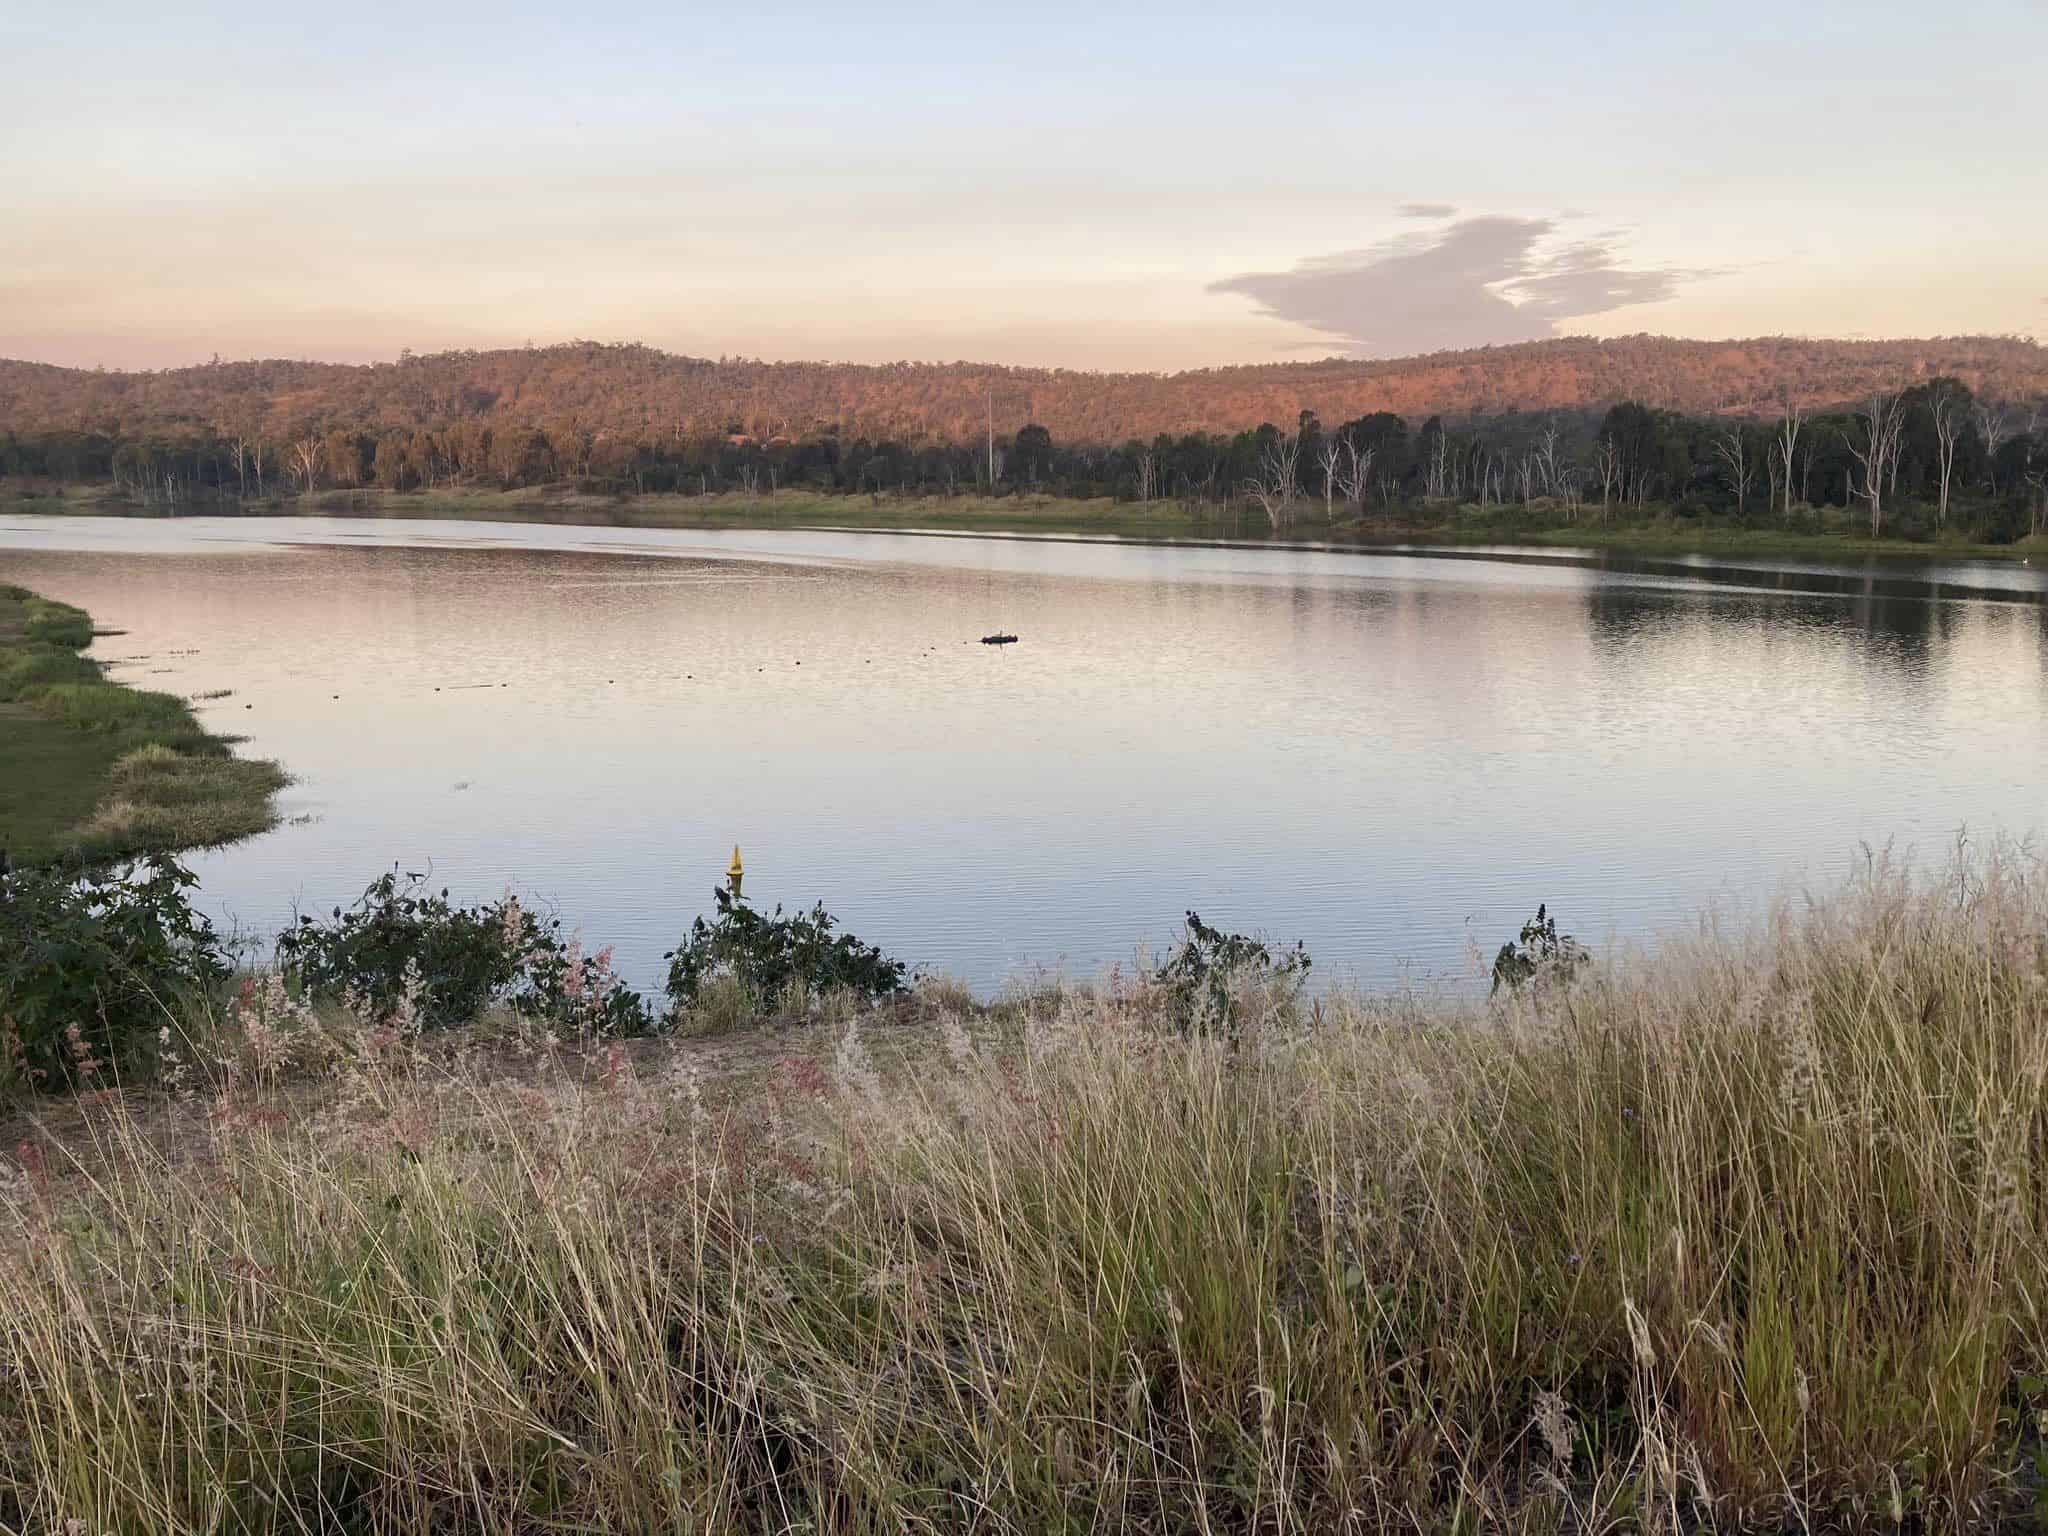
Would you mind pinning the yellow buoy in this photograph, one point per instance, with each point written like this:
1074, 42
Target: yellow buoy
737, 873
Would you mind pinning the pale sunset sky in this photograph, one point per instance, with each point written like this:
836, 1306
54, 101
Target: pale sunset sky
1153, 187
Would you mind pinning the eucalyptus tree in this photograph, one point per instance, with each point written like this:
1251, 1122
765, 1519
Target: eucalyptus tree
1732, 448
1948, 405
1785, 444
1875, 448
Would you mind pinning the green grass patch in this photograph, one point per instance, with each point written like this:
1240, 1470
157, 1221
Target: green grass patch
29, 665
163, 798
1728, 541
1024, 512
56, 623
110, 709
92, 769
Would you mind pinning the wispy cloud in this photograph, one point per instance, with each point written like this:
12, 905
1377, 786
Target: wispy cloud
1426, 210
1478, 282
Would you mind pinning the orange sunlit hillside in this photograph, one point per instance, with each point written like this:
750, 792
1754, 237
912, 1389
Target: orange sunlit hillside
647, 393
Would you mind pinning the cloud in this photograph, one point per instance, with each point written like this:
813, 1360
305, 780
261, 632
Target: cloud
1479, 282
1426, 210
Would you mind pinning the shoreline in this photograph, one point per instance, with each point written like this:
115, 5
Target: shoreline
1048, 516
101, 770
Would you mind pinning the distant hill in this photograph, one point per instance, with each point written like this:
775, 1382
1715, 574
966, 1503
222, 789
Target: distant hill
646, 393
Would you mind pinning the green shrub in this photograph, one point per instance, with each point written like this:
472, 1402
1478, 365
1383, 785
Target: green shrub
1209, 972
407, 954
1539, 953
91, 966
766, 954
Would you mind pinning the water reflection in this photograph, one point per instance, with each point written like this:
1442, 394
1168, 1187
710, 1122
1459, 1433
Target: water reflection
1392, 756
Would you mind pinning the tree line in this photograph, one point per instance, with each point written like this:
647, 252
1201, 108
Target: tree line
1926, 460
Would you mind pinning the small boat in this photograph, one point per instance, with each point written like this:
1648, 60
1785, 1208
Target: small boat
998, 639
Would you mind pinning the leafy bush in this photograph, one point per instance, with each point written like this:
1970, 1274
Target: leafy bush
407, 955
92, 965
1206, 974
766, 954
1540, 953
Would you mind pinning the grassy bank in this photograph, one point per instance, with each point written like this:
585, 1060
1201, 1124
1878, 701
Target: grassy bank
1021, 513
1750, 1233
1672, 538
94, 769
1830, 534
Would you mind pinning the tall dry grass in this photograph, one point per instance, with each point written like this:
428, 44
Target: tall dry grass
1747, 1232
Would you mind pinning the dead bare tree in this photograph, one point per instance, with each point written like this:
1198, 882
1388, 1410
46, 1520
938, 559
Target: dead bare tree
1607, 465
1437, 470
1357, 473
1883, 418
305, 461
1546, 458
1487, 472
1148, 474
1947, 411
1330, 455
1567, 483
1785, 444
1526, 470
1274, 485
1994, 426
1732, 449
1483, 471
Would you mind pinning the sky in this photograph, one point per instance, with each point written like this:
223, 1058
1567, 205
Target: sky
1166, 187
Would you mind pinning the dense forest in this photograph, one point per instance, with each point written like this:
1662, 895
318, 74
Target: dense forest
1903, 451
1931, 460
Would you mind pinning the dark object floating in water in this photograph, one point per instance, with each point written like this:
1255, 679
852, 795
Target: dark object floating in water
998, 639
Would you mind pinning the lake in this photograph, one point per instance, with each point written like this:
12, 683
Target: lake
1391, 755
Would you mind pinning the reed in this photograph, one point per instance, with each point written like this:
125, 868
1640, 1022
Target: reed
1745, 1231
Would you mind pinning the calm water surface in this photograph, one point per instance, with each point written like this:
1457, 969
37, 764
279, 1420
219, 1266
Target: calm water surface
1393, 756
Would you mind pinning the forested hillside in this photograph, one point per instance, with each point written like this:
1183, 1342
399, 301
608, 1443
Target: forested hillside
652, 396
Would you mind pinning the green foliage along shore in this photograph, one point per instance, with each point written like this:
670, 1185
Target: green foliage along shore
1748, 1233
91, 769
1934, 463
